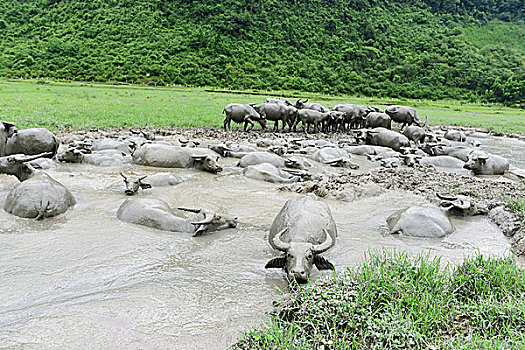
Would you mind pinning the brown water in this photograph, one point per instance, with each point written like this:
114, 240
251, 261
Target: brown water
86, 280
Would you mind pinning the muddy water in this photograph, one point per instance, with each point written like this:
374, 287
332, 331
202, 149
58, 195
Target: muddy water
87, 280
512, 149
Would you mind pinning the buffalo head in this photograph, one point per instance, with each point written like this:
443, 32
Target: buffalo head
133, 183
300, 256
476, 160
207, 162
207, 220
17, 165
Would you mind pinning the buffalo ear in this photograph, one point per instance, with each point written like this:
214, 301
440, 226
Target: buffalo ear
276, 263
323, 264
144, 186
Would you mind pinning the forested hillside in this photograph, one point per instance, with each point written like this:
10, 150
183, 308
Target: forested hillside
399, 48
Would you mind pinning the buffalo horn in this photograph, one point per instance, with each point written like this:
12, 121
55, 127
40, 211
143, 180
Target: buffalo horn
446, 198
208, 218
193, 210
124, 176
464, 205
22, 158
280, 245
319, 248
143, 177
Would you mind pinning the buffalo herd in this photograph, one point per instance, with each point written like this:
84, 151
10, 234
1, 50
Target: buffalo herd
304, 227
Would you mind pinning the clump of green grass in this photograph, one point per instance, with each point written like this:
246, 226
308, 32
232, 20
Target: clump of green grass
395, 301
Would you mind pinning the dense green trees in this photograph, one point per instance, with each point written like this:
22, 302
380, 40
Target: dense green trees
398, 48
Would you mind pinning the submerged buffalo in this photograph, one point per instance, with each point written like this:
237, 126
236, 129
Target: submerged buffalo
168, 156
32, 141
157, 214
482, 163
39, 197
426, 222
303, 229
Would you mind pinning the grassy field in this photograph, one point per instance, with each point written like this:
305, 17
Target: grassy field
76, 105
394, 301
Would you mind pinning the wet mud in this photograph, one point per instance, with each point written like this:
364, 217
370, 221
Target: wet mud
85, 279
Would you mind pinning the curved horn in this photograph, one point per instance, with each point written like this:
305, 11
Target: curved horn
193, 210
445, 197
143, 177
280, 245
22, 158
319, 248
208, 218
124, 176
460, 204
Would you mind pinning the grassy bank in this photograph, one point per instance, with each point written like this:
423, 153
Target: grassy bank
75, 105
393, 301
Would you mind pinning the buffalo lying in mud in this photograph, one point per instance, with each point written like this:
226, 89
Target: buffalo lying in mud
303, 229
38, 195
157, 214
425, 222
168, 156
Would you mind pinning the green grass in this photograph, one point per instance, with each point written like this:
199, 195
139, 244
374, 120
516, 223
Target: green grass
498, 34
395, 301
77, 105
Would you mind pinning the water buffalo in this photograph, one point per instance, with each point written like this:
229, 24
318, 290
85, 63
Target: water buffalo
19, 165
39, 197
310, 105
109, 144
376, 120
426, 222
387, 138
234, 150
157, 214
365, 149
415, 133
460, 152
133, 183
455, 135
334, 156
404, 114
262, 157
104, 158
311, 117
443, 162
269, 173
32, 141
6, 130
276, 112
168, 156
241, 113
354, 115
278, 101
482, 163
303, 229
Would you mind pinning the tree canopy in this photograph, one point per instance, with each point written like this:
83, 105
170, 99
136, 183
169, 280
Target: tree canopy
395, 48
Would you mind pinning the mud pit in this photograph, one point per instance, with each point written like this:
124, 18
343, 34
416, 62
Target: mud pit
88, 280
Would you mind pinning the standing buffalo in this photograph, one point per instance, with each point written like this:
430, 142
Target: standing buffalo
276, 112
303, 229
404, 114
311, 117
310, 105
278, 101
241, 113
354, 115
